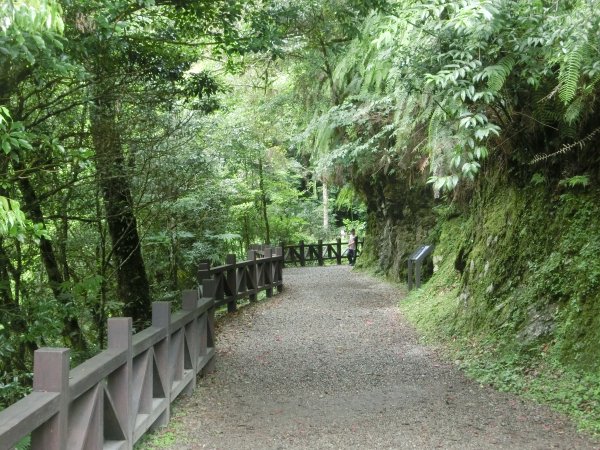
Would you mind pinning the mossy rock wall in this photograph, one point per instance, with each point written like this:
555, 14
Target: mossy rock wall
523, 266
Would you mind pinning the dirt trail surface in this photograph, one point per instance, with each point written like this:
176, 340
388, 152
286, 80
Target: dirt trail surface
331, 364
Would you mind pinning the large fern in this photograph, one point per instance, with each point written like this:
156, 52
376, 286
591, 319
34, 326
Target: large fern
569, 75
574, 110
449, 73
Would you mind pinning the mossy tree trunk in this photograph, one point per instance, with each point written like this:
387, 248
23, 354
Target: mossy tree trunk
133, 288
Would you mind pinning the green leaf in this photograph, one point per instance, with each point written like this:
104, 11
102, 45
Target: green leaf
5, 146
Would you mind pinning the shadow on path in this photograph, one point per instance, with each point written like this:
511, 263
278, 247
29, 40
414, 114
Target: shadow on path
331, 363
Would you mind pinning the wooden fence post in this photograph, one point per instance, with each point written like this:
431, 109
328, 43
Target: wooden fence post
209, 287
120, 331
268, 272
252, 274
203, 272
280, 252
320, 252
260, 269
161, 318
302, 256
338, 244
282, 247
189, 302
51, 374
231, 281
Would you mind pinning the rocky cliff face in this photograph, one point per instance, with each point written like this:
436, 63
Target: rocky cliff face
528, 262
401, 218
519, 262
517, 252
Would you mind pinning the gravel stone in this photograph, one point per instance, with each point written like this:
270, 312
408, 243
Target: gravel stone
331, 364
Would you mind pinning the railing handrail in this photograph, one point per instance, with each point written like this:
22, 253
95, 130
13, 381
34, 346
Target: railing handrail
319, 252
120, 393
262, 271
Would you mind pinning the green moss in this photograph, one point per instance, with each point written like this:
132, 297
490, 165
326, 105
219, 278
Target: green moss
434, 307
533, 272
164, 437
517, 295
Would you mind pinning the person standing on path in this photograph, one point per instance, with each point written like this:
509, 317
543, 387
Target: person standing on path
352, 247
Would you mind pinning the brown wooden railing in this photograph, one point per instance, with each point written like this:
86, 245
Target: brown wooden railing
112, 399
235, 280
319, 252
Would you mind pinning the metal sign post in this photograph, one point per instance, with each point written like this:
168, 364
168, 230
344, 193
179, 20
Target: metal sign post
415, 262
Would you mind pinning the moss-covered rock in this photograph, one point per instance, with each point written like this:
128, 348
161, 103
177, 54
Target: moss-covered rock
525, 265
517, 286
533, 271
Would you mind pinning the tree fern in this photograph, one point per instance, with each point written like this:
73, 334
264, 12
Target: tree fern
451, 72
545, 111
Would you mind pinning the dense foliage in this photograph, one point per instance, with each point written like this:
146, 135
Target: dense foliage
473, 125
445, 84
490, 108
141, 137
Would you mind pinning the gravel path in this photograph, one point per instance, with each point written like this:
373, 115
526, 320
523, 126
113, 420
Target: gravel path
336, 366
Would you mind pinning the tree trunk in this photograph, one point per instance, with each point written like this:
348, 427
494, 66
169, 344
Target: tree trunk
71, 330
13, 318
133, 288
325, 206
173, 256
246, 231
263, 198
102, 262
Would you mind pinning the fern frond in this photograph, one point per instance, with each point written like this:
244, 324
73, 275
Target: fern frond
545, 109
573, 112
346, 197
498, 73
569, 75
565, 148
433, 126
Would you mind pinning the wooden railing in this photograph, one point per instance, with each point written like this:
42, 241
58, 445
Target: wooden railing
319, 252
112, 399
235, 280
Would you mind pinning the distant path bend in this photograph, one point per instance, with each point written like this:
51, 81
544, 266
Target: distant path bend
331, 364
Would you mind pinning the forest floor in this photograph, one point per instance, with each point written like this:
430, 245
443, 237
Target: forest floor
331, 363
